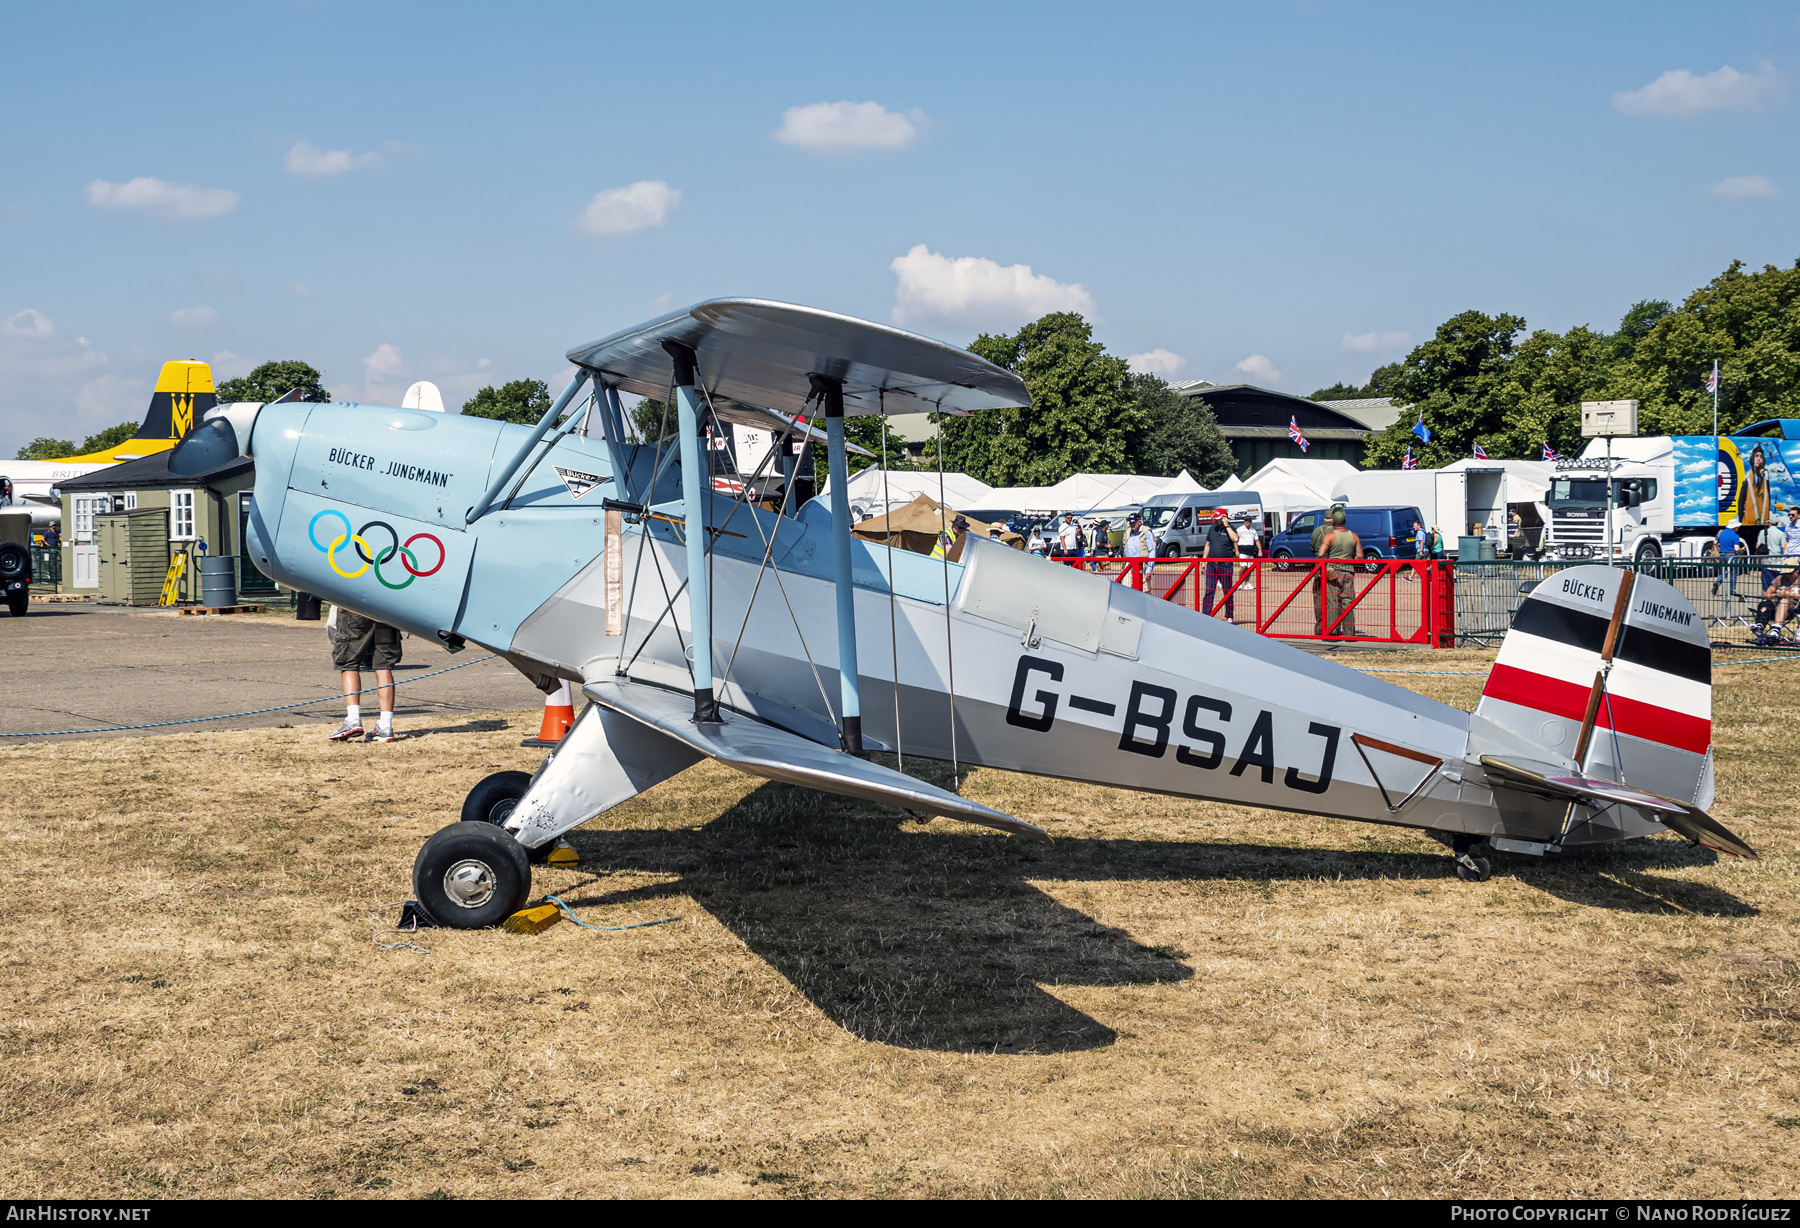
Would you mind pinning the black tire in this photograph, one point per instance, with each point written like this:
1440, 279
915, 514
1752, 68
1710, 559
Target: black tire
15, 562
492, 801
471, 875
19, 604
1480, 872
493, 797
1171, 551
1647, 552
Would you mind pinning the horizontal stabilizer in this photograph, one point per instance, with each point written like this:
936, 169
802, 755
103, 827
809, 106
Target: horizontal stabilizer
1547, 780
775, 754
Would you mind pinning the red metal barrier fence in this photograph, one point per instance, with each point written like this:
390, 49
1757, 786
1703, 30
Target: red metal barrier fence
1382, 601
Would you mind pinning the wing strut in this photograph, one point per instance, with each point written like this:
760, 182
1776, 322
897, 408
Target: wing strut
696, 493
831, 392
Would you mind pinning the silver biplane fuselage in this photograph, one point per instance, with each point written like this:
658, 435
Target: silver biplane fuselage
585, 557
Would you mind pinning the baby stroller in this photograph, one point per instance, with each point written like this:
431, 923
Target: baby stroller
1764, 633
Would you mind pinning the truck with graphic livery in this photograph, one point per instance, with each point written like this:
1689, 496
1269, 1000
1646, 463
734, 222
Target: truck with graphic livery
1672, 494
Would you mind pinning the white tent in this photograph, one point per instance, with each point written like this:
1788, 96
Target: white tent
1183, 483
1288, 486
1081, 492
903, 486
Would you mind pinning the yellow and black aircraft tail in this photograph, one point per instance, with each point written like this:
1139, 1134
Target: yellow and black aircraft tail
184, 392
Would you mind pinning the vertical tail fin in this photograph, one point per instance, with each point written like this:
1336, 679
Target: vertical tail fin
184, 392
1614, 672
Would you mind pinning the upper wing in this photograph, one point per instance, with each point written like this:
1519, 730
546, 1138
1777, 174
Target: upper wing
775, 754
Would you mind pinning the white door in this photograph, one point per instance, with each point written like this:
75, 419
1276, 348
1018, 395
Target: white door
87, 567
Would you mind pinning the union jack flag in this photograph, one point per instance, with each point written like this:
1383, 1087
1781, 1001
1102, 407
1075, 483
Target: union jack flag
1480, 452
1294, 433
1407, 461
1712, 381
1550, 453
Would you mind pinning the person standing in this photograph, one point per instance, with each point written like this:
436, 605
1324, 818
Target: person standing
1340, 578
1317, 539
1222, 547
1069, 541
1731, 547
1140, 544
359, 643
950, 541
52, 538
1035, 544
1790, 535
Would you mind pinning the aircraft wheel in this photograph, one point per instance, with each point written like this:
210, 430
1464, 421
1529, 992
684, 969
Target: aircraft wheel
1473, 869
492, 801
471, 875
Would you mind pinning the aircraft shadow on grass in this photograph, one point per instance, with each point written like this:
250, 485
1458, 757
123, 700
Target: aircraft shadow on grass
939, 939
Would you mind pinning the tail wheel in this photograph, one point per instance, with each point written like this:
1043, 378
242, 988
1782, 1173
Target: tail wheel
1473, 869
493, 800
471, 875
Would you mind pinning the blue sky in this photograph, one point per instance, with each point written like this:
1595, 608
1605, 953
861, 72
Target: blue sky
1287, 194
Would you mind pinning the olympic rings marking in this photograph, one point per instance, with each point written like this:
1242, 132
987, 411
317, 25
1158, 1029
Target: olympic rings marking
331, 556
371, 557
314, 524
434, 541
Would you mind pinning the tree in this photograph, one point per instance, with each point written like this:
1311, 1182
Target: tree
1084, 414
1381, 382
45, 448
523, 401
1179, 433
1750, 322
653, 420
275, 379
111, 437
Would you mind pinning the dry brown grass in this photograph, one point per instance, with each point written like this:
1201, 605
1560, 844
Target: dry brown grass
1176, 999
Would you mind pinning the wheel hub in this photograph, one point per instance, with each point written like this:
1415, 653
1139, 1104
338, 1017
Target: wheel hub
470, 883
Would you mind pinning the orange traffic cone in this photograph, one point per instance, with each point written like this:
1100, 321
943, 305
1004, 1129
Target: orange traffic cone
559, 714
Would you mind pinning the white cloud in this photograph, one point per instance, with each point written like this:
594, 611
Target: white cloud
1370, 343
974, 292
1679, 92
308, 161
1158, 362
385, 360
30, 323
193, 317
842, 127
662, 304
175, 200
1258, 367
638, 206
300, 289
1744, 187
226, 365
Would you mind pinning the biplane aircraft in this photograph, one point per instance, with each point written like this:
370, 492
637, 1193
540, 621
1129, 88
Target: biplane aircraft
700, 624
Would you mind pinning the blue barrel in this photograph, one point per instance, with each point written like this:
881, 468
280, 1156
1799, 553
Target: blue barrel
218, 580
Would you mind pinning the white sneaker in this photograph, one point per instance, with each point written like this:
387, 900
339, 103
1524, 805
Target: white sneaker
384, 735
349, 729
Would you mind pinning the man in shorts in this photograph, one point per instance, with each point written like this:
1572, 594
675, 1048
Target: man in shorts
359, 643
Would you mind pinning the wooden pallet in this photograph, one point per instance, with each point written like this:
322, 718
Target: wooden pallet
224, 609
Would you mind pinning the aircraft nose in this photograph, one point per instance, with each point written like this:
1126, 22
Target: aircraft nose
211, 444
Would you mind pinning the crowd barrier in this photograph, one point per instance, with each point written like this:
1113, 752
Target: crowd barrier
1440, 603
1378, 601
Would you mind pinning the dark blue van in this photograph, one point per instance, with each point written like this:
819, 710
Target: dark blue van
1386, 533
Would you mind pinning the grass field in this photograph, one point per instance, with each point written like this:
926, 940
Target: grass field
1175, 999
